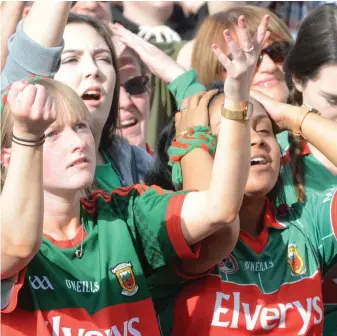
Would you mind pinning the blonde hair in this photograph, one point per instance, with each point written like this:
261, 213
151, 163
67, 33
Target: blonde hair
211, 31
69, 106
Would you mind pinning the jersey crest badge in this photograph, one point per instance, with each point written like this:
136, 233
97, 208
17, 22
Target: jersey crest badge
228, 265
126, 278
295, 261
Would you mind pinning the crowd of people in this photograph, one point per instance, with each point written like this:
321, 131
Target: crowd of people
168, 168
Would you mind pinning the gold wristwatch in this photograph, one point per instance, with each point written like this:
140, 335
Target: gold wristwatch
243, 114
306, 109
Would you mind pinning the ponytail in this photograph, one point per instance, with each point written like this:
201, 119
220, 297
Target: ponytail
297, 166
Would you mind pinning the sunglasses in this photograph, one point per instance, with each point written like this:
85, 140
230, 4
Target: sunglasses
277, 51
136, 85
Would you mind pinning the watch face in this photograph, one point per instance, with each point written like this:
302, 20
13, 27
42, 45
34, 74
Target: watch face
249, 110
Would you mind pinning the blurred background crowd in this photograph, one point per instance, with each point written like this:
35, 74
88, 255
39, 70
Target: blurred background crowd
170, 25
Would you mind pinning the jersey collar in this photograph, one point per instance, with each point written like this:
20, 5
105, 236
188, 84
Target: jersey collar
270, 212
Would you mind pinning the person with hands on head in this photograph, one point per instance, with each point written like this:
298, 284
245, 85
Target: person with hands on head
79, 51
311, 77
299, 240
60, 234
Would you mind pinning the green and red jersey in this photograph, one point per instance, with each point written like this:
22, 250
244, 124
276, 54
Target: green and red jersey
270, 284
316, 180
127, 236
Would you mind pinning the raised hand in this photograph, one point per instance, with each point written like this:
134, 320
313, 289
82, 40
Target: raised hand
240, 65
160, 64
283, 115
32, 109
194, 111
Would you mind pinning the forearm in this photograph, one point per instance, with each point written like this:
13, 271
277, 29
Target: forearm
11, 12
46, 21
230, 170
21, 209
197, 170
322, 134
206, 212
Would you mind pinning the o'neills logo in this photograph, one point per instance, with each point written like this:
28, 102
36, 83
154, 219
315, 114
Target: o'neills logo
228, 265
295, 261
129, 328
126, 278
297, 317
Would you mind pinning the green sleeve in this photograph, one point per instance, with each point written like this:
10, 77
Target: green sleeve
154, 217
185, 85
323, 211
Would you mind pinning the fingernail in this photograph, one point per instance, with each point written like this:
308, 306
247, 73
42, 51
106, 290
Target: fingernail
214, 46
227, 33
25, 81
243, 19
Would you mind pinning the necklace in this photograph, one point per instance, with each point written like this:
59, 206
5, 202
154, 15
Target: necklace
79, 251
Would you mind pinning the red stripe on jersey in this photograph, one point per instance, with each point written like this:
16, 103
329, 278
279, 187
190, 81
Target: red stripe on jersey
173, 226
132, 318
81, 233
13, 301
258, 243
334, 213
305, 151
90, 205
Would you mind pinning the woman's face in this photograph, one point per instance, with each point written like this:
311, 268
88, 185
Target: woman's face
265, 151
134, 110
86, 66
321, 92
68, 157
269, 78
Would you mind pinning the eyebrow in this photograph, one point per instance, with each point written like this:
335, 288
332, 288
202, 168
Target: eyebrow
80, 51
329, 95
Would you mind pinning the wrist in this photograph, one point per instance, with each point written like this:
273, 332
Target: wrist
172, 75
290, 116
20, 133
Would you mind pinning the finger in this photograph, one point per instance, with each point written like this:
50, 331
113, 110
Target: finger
234, 49
53, 111
185, 104
266, 37
15, 90
47, 108
260, 34
205, 99
40, 99
260, 97
244, 34
194, 102
222, 58
28, 98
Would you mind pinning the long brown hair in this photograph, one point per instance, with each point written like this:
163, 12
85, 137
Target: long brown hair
315, 46
110, 126
211, 31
